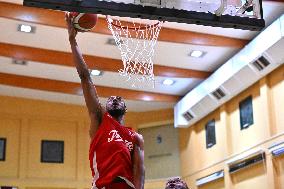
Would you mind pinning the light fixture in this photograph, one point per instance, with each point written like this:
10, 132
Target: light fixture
110, 41
26, 28
210, 178
277, 150
147, 98
197, 53
246, 159
19, 62
96, 72
168, 82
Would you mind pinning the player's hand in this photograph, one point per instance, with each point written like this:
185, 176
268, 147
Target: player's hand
71, 30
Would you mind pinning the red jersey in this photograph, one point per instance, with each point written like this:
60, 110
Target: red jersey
110, 153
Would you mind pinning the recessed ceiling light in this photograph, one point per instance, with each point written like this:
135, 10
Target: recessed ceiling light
147, 98
26, 28
168, 82
111, 41
19, 62
96, 72
196, 53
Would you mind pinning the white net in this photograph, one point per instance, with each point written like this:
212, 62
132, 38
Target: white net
136, 41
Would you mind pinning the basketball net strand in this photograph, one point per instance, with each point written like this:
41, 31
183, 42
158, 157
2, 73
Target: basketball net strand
136, 44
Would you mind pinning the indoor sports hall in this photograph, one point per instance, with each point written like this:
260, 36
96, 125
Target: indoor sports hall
206, 93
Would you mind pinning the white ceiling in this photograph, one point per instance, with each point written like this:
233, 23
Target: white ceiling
167, 54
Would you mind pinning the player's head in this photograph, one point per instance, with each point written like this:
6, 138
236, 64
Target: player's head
115, 106
176, 183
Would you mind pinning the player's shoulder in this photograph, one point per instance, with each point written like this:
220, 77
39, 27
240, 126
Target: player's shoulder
134, 134
138, 137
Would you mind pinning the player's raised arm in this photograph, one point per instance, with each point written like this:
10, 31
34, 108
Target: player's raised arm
91, 97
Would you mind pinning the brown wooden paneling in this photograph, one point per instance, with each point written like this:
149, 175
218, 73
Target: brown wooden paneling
94, 62
75, 88
56, 18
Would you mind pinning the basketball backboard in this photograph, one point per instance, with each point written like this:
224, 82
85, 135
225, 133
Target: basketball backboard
241, 14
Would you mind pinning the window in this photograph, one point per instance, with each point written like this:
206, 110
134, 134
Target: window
52, 151
2, 149
210, 133
246, 112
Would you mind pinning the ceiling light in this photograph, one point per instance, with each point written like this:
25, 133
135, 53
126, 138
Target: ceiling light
96, 72
147, 98
111, 41
168, 82
26, 28
196, 53
19, 62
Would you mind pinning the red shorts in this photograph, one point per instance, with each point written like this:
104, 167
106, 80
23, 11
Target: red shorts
118, 185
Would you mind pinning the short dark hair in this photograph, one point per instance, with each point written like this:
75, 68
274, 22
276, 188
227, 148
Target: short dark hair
174, 180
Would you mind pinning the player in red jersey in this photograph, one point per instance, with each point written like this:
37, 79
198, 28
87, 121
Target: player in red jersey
116, 152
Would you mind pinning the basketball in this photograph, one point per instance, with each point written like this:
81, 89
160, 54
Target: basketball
84, 22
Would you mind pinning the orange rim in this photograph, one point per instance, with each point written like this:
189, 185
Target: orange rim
132, 28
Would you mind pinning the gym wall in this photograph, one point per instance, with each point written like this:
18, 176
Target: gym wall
24, 123
197, 161
161, 151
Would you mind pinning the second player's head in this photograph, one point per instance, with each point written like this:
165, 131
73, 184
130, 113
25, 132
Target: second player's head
176, 183
115, 106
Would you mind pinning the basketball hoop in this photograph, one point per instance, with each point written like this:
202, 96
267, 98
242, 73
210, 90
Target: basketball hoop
136, 42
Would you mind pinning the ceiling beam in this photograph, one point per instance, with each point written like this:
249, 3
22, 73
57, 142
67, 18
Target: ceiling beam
56, 19
94, 62
75, 88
